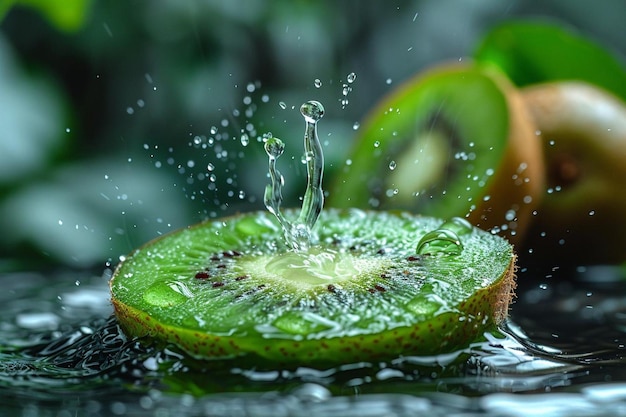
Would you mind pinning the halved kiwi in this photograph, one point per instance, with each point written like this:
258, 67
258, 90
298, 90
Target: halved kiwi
455, 141
375, 285
582, 218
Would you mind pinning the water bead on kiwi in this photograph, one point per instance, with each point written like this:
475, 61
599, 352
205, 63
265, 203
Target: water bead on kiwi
454, 141
582, 215
315, 287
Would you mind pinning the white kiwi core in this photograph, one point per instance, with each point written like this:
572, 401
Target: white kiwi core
421, 165
314, 267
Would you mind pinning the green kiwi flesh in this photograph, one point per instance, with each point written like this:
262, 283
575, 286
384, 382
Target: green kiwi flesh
454, 141
431, 141
230, 287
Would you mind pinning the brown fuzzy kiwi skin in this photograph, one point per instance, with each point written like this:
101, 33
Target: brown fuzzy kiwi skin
485, 309
582, 219
519, 182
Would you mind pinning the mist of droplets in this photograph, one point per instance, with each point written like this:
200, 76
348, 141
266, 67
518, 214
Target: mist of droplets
212, 174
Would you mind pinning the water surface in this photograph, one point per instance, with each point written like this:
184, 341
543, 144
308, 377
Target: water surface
560, 353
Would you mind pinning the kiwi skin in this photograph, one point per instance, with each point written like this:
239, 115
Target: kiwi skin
441, 332
520, 177
582, 218
518, 180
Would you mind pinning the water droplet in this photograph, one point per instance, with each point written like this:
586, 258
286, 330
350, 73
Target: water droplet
377, 144
351, 77
392, 165
167, 294
213, 130
424, 304
391, 192
458, 225
312, 111
274, 147
388, 81
306, 157
210, 167
245, 139
439, 242
250, 87
282, 105
317, 83
356, 126
510, 215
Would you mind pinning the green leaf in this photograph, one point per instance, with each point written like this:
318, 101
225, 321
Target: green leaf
65, 15
536, 52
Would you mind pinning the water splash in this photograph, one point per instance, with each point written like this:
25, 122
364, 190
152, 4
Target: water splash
298, 235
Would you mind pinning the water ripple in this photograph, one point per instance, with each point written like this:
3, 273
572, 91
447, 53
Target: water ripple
555, 356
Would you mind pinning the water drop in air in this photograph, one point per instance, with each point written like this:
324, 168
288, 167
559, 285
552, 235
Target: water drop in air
274, 147
392, 165
317, 83
312, 111
351, 77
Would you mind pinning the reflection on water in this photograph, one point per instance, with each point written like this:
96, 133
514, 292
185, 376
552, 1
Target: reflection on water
561, 353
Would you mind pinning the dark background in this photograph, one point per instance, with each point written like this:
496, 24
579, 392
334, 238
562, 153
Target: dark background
108, 122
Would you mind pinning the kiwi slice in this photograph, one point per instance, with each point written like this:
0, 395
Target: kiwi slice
374, 285
455, 141
582, 217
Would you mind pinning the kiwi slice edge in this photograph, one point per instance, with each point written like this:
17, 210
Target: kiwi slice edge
438, 315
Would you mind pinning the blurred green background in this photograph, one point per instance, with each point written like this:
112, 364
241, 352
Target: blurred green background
123, 120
